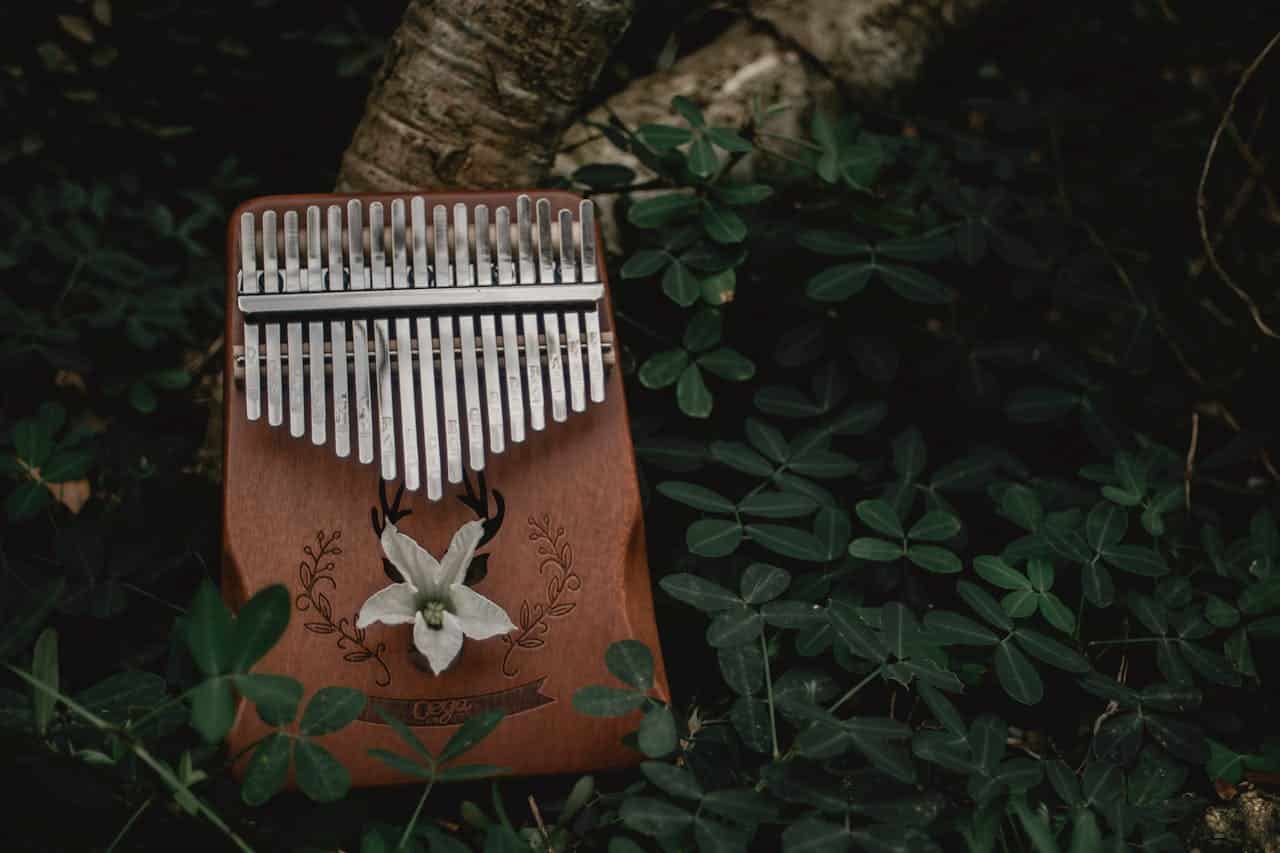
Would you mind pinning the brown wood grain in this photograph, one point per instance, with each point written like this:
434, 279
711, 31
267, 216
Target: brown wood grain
575, 480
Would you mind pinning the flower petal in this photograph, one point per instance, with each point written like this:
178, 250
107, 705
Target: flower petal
438, 645
413, 562
462, 548
480, 617
393, 605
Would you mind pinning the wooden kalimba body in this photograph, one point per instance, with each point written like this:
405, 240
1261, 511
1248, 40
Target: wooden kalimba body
423, 361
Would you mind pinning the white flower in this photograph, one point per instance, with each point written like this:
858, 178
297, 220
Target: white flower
434, 598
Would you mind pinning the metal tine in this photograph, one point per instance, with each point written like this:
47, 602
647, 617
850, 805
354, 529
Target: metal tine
529, 322
488, 333
404, 350
510, 337
572, 328
271, 283
551, 320
338, 338
360, 334
249, 284
315, 330
426, 361
292, 284
381, 347
591, 273
448, 360
467, 328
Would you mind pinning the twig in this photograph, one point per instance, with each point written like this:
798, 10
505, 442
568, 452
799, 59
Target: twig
1201, 204
1191, 459
542, 827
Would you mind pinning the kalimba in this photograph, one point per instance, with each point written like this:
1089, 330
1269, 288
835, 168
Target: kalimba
420, 393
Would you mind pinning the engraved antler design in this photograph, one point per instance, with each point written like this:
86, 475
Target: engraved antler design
391, 513
477, 500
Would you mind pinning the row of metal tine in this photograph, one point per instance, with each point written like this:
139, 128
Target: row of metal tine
454, 337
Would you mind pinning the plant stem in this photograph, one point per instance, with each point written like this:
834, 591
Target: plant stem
1127, 642
413, 819
854, 689
166, 775
768, 686
124, 830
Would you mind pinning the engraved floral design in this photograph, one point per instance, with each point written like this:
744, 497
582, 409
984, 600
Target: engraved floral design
555, 563
314, 573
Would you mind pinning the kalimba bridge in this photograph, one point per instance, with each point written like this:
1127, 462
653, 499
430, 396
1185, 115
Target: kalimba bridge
507, 311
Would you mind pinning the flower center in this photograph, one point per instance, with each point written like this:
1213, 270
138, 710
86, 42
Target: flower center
433, 613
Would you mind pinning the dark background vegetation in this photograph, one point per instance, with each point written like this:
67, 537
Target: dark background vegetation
128, 135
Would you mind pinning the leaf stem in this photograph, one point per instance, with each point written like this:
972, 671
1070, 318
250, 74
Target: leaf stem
768, 685
855, 688
417, 811
128, 825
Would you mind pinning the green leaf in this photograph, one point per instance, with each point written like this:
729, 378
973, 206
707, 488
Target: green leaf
915, 285
762, 582
857, 637
739, 194
704, 330
934, 559
722, 224
1051, 651
777, 505
1225, 763
276, 696
881, 517
985, 606
742, 668
645, 263
600, 701
650, 816
688, 110
1017, 676
1105, 525
769, 440
401, 764
920, 247
1020, 603
739, 457
475, 729
320, 775
875, 550
405, 734
702, 594
703, 160
26, 500
838, 283
1220, 613
1040, 573
213, 708
719, 288
663, 137
788, 541
1056, 613
713, 537
1021, 506
210, 632
728, 364
750, 719
680, 284
330, 709
698, 497
469, 772
44, 668
734, 627
692, 394
657, 734
631, 662
142, 397
728, 139
1137, 560
954, 628
67, 465
997, 572
1039, 405
813, 835
663, 369
786, 402
267, 769
1099, 588
935, 526
674, 781
259, 625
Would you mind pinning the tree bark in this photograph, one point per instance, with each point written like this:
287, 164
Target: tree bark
477, 93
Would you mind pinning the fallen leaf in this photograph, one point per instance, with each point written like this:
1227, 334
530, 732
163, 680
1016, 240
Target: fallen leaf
73, 494
69, 379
